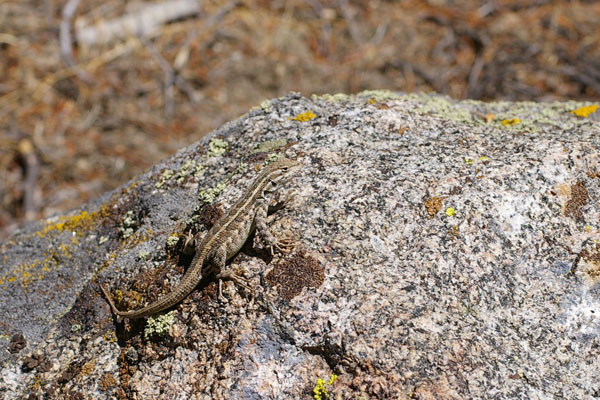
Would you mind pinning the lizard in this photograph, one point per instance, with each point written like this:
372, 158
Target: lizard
227, 236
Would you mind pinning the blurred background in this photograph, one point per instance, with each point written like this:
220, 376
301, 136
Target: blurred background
94, 92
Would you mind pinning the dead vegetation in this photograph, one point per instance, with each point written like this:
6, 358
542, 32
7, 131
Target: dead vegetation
94, 92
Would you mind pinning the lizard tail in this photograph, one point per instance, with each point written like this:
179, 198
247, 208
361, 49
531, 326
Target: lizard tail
110, 300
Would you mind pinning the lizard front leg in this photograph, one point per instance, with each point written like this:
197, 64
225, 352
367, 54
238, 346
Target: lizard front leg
282, 201
284, 245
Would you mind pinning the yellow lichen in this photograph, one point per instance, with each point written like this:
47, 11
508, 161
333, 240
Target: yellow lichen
585, 110
332, 379
25, 273
512, 121
87, 368
303, 117
320, 390
450, 211
110, 336
75, 223
35, 385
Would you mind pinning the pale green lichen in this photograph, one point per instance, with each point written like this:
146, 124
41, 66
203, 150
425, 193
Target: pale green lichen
216, 147
519, 116
186, 169
531, 116
267, 146
265, 105
127, 225
440, 105
172, 240
197, 169
272, 158
240, 168
333, 98
164, 177
377, 96
102, 240
159, 325
209, 195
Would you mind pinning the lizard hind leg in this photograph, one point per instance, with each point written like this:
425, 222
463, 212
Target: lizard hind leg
232, 276
218, 262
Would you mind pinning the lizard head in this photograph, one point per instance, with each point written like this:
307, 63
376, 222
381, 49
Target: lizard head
281, 172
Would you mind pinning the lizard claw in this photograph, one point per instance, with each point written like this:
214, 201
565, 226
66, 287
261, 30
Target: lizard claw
232, 276
284, 245
189, 244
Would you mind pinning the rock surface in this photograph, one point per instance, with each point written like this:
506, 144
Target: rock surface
445, 250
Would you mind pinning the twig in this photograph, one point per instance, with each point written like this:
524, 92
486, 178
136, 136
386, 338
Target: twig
169, 75
65, 31
32, 172
325, 36
9, 101
473, 87
142, 23
64, 38
223, 11
580, 73
182, 56
187, 89
379, 33
345, 8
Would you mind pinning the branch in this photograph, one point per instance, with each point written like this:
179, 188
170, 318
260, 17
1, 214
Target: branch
142, 23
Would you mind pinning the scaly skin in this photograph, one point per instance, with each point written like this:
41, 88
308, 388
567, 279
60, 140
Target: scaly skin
226, 238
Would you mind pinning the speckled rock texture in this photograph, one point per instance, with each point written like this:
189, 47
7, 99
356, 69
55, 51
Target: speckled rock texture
445, 250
